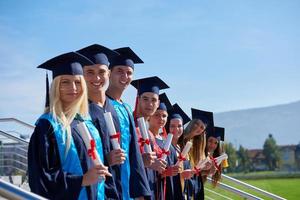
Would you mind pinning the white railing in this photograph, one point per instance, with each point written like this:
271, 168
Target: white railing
236, 191
17, 121
216, 194
11, 191
12, 137
256, 189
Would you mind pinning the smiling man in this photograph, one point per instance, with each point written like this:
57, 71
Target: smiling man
131, 179
97, 79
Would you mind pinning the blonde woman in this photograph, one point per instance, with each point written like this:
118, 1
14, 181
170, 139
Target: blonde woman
201, 123
59, 166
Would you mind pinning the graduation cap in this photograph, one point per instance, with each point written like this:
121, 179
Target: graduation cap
177, 113
98, 54
65, 64
206, 117
127, 57
150, 84
165, 103
219, 133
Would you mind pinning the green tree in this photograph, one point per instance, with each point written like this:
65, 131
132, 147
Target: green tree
232, 157
243, 158
297, 156
271, 152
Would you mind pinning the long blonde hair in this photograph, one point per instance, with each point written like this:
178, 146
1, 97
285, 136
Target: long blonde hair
197, 152
79, 106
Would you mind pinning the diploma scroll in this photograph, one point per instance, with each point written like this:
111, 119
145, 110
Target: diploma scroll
165, 150
89, 143
183, 154
144, 133
201, 164
221, 158
114, 136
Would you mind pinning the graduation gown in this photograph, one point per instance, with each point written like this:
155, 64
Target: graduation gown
96, 113
46, 176
198, 187
138, 183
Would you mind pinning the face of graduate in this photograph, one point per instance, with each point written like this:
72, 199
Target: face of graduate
148, 103
212, 144
176, 127
96, 77
70, 88
121, 77
158, 119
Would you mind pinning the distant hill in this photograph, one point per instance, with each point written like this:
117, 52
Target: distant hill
251, 127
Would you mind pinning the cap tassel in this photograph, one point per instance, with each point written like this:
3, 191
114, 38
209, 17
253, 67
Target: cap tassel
47, 91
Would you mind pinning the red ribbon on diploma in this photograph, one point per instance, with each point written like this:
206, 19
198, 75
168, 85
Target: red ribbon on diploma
181, 158
142, 141
117, 135
165, 152
197, 171
215, 163
91, 151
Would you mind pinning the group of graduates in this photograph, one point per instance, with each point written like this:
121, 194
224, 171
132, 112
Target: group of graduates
87, 85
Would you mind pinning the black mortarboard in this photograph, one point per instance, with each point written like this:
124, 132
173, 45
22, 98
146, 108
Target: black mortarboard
149, 84
127, 57
177, 113
206, 117
98, 54
219, 133
165, 103
66, 64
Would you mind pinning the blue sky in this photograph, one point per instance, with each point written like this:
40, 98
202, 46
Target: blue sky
215, 55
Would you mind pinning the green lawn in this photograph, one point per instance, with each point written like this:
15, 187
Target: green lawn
286, 188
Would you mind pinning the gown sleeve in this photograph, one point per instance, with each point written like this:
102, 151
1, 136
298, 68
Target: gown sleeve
45, 173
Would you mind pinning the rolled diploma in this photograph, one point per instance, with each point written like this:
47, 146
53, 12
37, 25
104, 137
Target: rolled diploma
167, 145
185, 151
144, 133
85, 134
201, 163
220, 158
111, 130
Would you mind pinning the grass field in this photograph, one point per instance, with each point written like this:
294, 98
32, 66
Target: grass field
288, 188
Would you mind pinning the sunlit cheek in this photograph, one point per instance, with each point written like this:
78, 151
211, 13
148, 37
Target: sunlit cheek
106, 84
